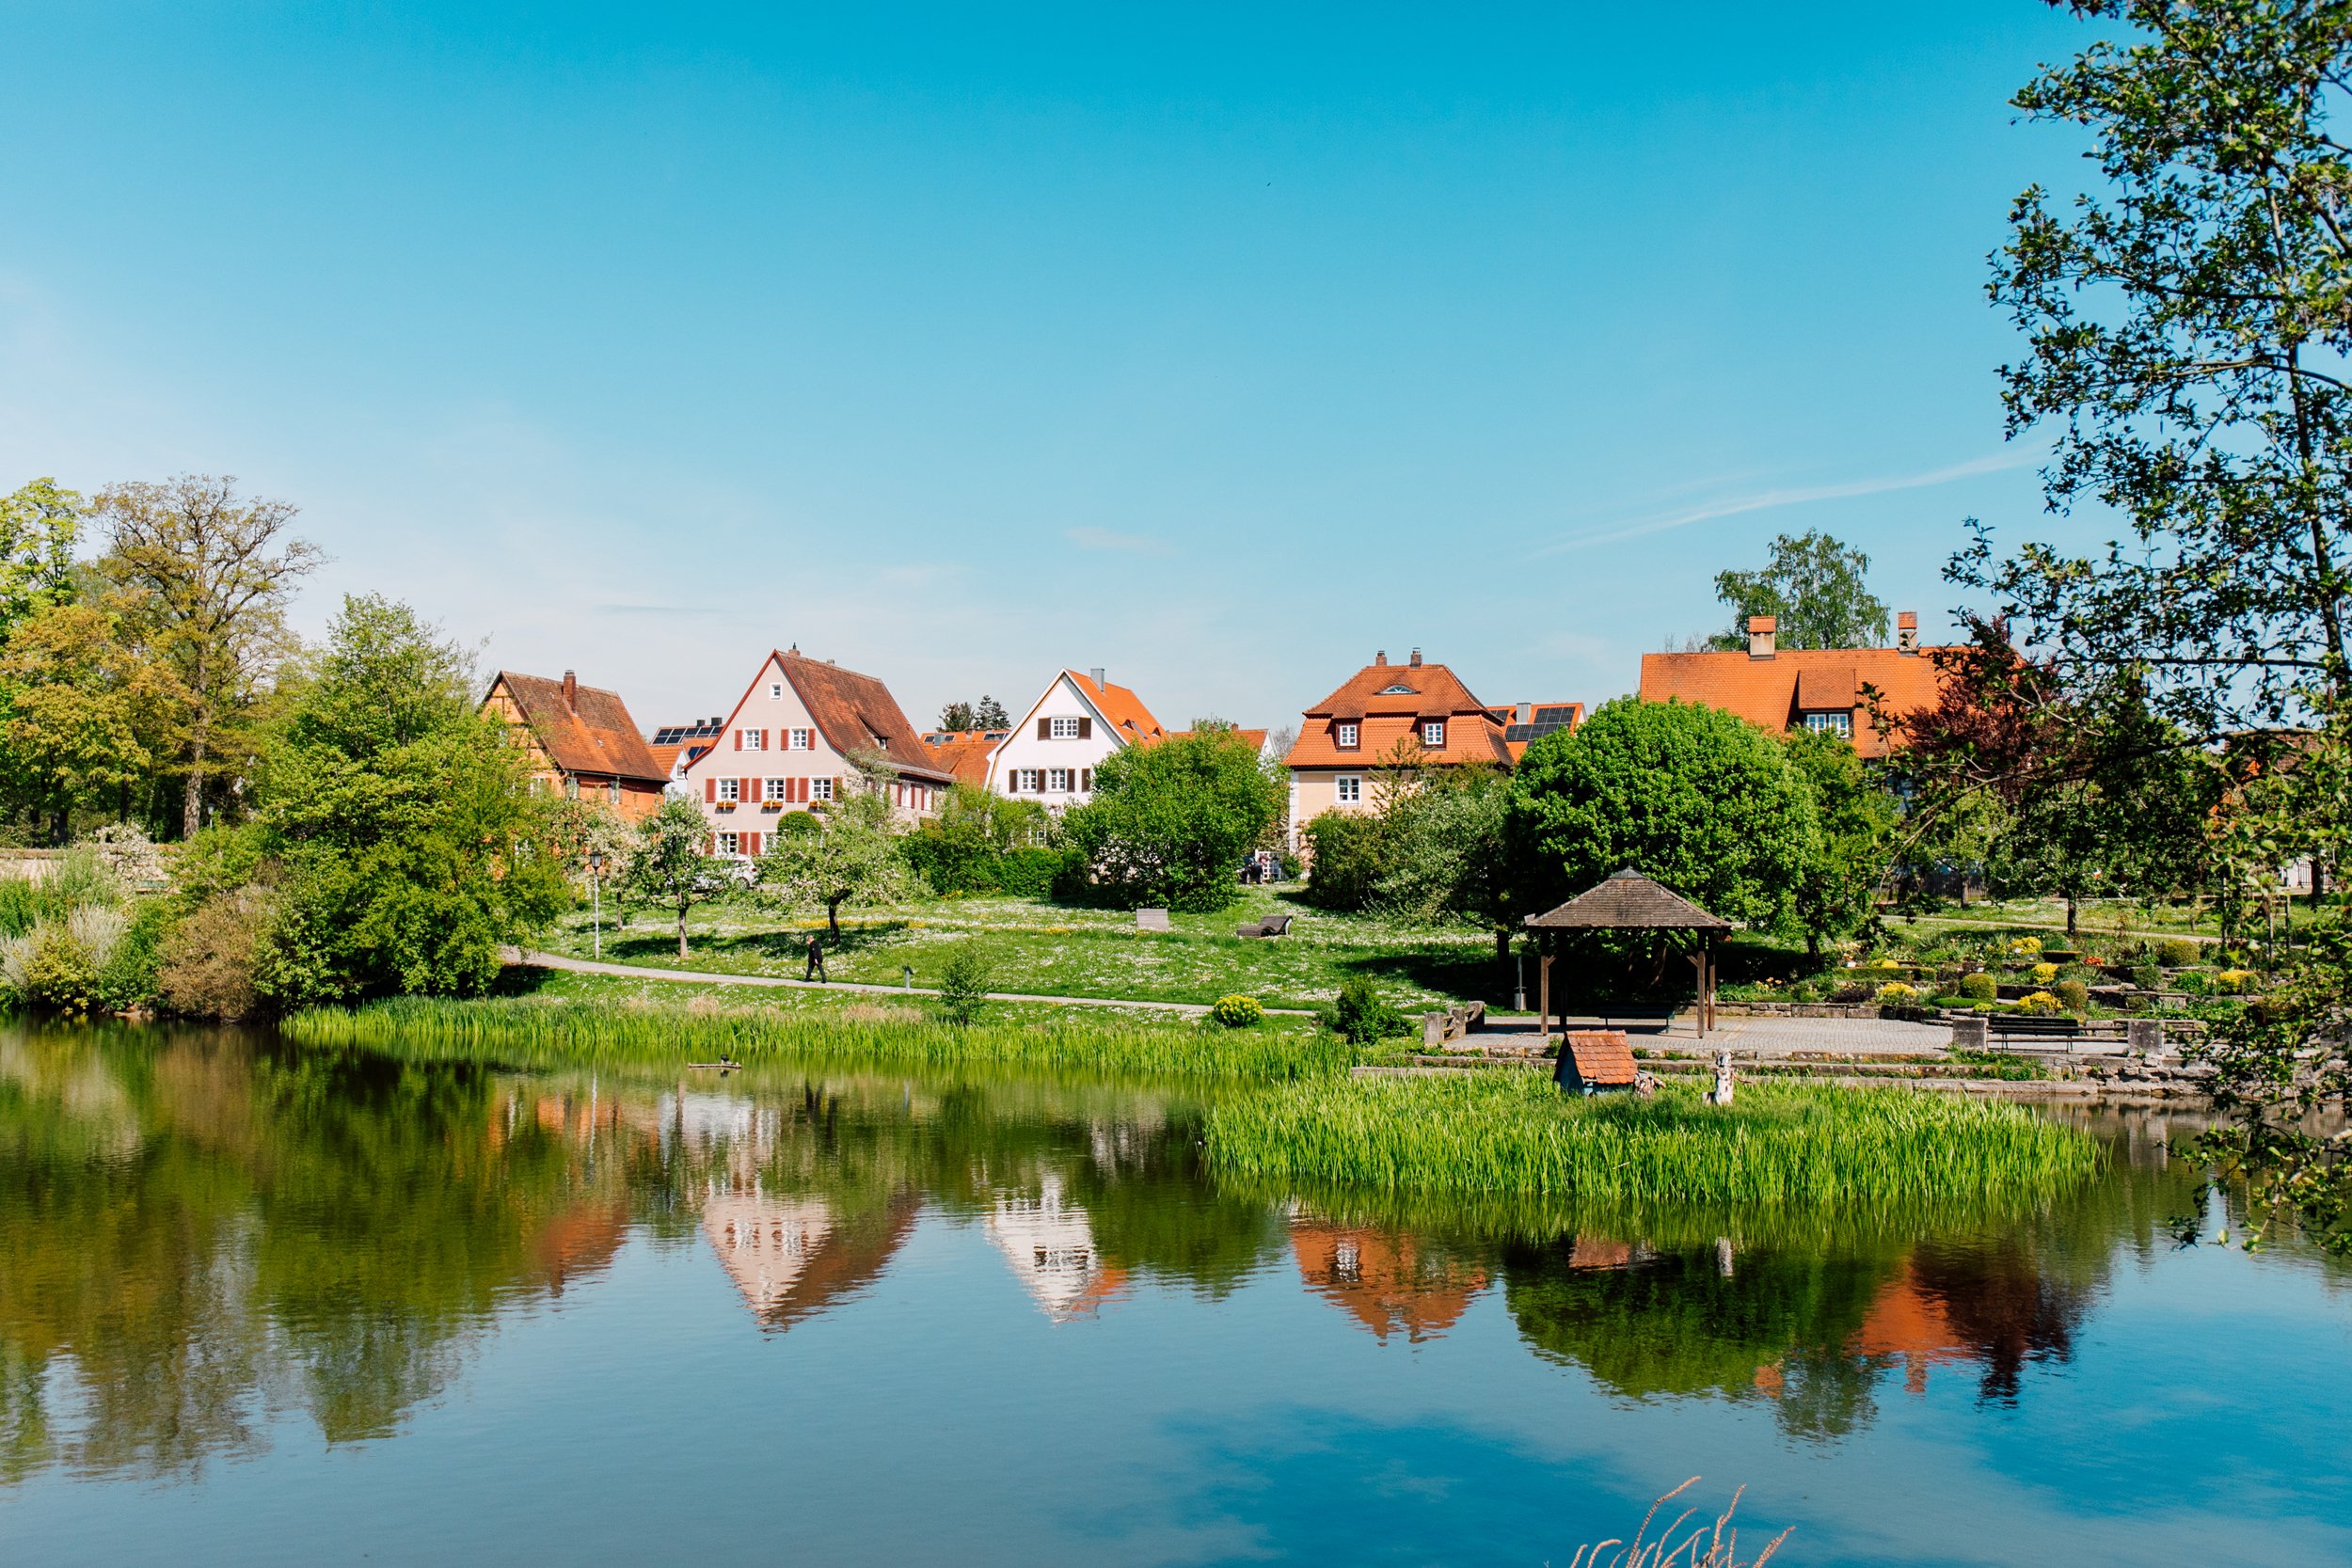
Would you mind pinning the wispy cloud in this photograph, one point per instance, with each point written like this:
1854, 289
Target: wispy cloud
1090, 538
1765, 501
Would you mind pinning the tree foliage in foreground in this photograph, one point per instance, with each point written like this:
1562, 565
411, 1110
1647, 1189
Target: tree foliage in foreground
1696, 797
670, 865
2187, 323
410, 842
1170, 822
845, 852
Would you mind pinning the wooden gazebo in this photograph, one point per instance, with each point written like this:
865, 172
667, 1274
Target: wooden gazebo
1630, 901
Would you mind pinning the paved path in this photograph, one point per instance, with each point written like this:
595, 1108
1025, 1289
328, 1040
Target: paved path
1765, 1036
777, 982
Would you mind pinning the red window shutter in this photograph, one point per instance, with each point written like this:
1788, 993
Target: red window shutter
1086, 729
738, 741
1046, 729
751, 790
763, 740
751, 845
800, 790
710, 789
710, 843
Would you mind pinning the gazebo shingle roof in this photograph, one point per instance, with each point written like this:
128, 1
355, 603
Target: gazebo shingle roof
1628, 901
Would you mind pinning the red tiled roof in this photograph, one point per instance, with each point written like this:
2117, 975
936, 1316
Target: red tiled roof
856, 713
1772, 693
593, 733
1603, 1056
1387, 703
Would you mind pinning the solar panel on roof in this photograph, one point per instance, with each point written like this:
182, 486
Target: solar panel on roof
1554, 715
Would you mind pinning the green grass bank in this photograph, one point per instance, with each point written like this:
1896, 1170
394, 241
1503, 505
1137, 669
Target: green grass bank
534, 1032
1778, 1146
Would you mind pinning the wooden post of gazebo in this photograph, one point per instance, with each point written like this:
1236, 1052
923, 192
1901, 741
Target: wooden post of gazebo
1628, 901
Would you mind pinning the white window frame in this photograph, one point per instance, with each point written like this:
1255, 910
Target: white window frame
1058, 781
1348, 790
1839, 724
1433, 733
729, 842
755, 740
798, 741
775, 692
1345, 737
1061, 729
820, 789
730, 792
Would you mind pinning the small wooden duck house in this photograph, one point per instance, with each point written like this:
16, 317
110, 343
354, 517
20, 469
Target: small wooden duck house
1593, 1061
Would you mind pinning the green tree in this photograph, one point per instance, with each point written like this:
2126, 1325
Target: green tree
1702, 801
1347, 855
79, 708
1170, 822
2186, 330
983, 842
670, 867
1837, 891
986, 714
848, 851
1814, 587
40, 524
1450, 854
412, 845
206, 574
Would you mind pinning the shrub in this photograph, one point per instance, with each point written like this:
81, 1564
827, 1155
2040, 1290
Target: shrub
2074, 995
2042, 1002
2232, 980
2045, 974
964, 985
1359, 1016
2024, 948
128, 979
1238, 1012
1896, 994
1349, 854
2176, 953
1980, 987
1885, 963
206, 962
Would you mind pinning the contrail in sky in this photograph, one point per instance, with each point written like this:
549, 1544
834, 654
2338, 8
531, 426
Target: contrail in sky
1766, 499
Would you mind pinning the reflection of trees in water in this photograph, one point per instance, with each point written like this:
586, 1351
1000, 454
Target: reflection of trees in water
1817, 1329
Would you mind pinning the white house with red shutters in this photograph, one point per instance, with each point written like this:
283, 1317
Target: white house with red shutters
787, 745
1080, 719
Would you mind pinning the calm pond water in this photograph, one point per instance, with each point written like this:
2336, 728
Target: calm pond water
256, 1308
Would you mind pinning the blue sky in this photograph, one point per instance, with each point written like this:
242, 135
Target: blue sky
1219, 347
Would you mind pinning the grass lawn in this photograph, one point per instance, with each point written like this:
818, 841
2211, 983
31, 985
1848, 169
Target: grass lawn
1047, 950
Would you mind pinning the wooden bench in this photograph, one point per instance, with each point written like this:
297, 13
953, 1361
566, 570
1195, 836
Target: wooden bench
2040, 1028
1271, 926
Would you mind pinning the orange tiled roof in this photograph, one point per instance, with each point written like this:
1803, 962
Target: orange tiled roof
856, 712
1387, 703
593, 733
1773, 693
962, 753
1124, 712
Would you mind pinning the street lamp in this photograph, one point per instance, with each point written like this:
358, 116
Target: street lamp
595, 898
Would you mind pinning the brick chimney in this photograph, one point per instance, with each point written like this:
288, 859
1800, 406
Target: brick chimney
1907, 632
1381, 659
1760, 633
571, 690
1416, 658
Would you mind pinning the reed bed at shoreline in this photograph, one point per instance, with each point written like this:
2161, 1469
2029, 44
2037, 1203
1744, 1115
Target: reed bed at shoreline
1778, 1146
538, 1034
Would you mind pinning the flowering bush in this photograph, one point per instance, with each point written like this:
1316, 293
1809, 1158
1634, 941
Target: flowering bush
2026, 947
2234, 981
1980, 987
1237, 1012
2042, 1002
1896, 994
2045, 974
1886, 963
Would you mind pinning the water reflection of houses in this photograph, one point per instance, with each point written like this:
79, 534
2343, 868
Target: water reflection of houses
1386, 1280
1050, 1243
792, 1257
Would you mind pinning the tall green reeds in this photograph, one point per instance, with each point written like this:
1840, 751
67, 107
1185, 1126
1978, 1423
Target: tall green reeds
526, 1032
1779, 1146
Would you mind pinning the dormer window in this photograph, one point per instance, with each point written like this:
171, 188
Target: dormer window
1839, 724
1398, 690
1433, 733
1344, 736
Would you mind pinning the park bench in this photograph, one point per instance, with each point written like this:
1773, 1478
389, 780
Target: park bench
1271, 926
2040, 1028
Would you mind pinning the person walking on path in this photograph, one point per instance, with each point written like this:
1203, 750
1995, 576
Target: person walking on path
816, 960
